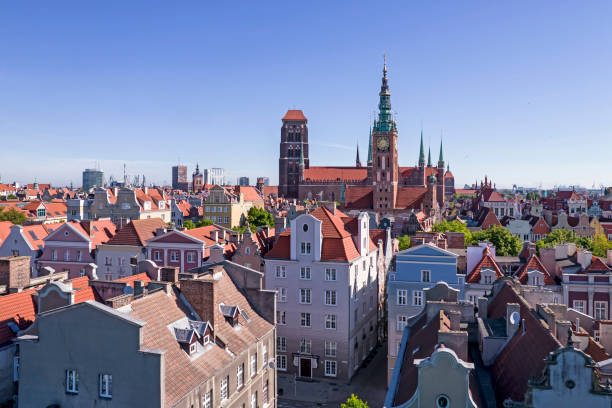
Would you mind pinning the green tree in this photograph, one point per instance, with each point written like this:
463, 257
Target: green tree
600, 245
404, 242
532, 196
204, 222
505, 243
15, 216
453, 226
188, 224
561, 236
241, 229
11, 197
258, 217
354, 402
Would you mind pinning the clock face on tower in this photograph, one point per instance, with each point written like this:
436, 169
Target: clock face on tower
383, 143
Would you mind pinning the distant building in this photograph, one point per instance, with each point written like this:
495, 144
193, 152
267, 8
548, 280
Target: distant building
198, 179
265, 180
92, 178
214, 176
243, 181
179, 176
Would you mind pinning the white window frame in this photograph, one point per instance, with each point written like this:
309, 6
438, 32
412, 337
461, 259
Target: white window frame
330, 274
105, 386
253, 364
579, 305
190, 257
305, 273
305, 248
425, 275
417, 298
281, 271
72, 381
331, 348
402, 297
600, 306
281, 343
331, 298
306, 346
175, 256
264, 353
305, 296
157, 255
402, 322
254, 400
305, 319
331, 368
224, 388
281, 362
207, 399
331, 322
281, 317
282, 294
240, 375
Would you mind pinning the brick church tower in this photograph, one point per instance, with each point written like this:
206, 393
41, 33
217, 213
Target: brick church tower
293, 153
384, 172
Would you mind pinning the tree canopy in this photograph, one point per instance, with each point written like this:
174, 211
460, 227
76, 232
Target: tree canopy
505, 243
204, 222
453, 226
188, 224
598, 245
258, 217
404, 242
354, 402
15, 216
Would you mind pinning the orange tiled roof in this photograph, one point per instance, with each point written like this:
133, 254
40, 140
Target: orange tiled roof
294, 114
487, 262
84, 292
532, 264
5, 230
597, 265
137, 232
320, 173
410, 197
138, 277
18, 308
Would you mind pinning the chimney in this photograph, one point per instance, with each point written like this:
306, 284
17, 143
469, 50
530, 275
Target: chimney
454, 316
160, 231
214, 235
482, 307
139, 288
456, 239
513, 318
216, 254
562, 329
331, 207
145, 189
584, 258
547, 256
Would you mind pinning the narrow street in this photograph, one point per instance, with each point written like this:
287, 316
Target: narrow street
370, 384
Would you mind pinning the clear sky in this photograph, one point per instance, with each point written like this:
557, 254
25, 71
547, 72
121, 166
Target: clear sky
522, 90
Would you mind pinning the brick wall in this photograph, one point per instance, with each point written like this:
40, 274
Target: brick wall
200, 294
15, 272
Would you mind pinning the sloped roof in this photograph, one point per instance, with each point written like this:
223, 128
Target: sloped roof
487, 262
5, 230
84, 292
410, 197
597, 265
320, 173
534, 263
19, 309
358, 197
249, 193
523, 356
137, 232
138, 277
294, 114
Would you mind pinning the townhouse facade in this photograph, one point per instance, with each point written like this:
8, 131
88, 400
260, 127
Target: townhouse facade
326, 280
228, 207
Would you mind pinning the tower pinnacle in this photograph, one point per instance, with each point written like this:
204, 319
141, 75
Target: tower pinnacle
441, 158
357, 161
385, 121
429, 157
370, 148
421, 152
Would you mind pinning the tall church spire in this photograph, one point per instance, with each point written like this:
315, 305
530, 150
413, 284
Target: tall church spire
429, 157
422, 152
385, 121
441, 158
357, 161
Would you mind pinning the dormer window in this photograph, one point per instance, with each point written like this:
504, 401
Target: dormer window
192, 348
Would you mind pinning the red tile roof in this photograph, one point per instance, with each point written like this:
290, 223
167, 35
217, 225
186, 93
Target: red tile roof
137, 232
5, 230
532, 264
597, 265
596, 351
18, 308
249, 193
487, 262
410, 197
347, 174
138, 277
267, 190
84, 292
358, 197
294, 114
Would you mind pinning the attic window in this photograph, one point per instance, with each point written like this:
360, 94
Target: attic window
192, 348
305, 227
245, 315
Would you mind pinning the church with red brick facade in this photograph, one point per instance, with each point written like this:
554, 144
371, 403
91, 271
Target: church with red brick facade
381, 185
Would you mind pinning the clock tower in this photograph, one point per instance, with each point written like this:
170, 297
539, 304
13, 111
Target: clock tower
385, 171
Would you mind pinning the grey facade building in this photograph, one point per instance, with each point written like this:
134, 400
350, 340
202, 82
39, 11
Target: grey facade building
205, 345
243, 181
214, 176
179, 176
92, 178
326, 272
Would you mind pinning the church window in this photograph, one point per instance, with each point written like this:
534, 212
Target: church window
378, 161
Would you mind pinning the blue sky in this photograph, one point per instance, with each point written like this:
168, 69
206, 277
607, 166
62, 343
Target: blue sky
521, 90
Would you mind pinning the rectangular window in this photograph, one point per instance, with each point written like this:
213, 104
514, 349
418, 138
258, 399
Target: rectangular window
281, 343
305, 298
174, 256
226, 220
72, 381
305, 248
305, 346
330, 297
487, 279
264, 349
281, 272
330, 348
330, 368
417, 298
253, 364
207, 400
225, 388
79, 256
330, 321
265, 396
66, 255
305, 273
240, 376
305, 319
580, 305
190, 257
254, 400
281, 362
157, 255
330, 274
425, 276
363, 308
402, 321
281, 317
601, 310
281, 294
402, 297
106, 385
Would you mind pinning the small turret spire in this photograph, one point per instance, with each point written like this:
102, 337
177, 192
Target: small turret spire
441, 158
429, 157
370, 147
422, 152
357, 161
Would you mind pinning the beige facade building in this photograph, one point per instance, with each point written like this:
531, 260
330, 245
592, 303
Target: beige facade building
228, 206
